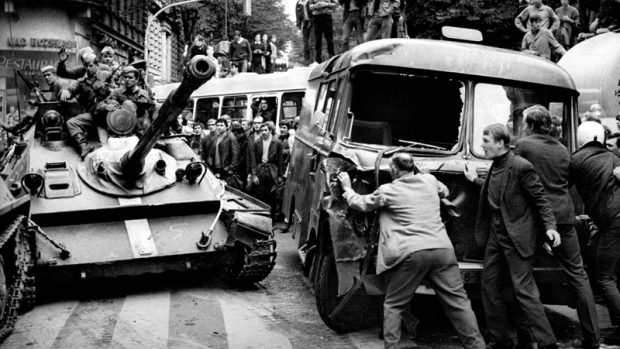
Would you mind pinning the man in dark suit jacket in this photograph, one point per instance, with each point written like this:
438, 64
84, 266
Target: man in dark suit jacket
551, 160
267, 164
511, 209
221, 151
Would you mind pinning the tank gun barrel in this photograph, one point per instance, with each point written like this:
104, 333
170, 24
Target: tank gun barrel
197, 71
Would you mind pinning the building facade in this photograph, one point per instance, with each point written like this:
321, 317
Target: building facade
33, 31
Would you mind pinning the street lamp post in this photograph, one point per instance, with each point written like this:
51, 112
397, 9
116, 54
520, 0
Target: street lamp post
150, 21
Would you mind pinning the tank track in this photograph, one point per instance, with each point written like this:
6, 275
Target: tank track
22, 291
258, 261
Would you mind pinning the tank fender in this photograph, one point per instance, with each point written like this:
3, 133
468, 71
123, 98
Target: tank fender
247, 227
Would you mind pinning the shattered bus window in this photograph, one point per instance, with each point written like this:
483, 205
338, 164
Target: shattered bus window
505, 105
402, 109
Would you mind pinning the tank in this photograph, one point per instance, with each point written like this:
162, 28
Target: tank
594, 65
136, 205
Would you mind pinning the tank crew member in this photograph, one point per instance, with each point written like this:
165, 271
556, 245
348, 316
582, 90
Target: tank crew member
130, 91
75, 73
512, 212
58, 86
551, 160
592, 170
221, 152
107, 58
414, 245
90, 90
142, 82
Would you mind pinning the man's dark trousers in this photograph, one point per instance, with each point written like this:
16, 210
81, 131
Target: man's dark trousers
502, 260
323, 26
441, 268
307, 30
568, 254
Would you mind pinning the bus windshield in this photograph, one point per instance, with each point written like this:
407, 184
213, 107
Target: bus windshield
503, 104
404, 109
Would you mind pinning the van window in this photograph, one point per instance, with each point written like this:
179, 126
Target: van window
505, 105
265, 107
403, 109
291, 106
321, 97
338, 100
236, 107
207, 108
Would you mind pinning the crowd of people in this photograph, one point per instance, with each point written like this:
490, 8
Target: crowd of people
248, 155
368, 19
549, 33
239, 55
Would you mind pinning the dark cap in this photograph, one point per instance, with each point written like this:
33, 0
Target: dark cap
139, 64
618, 117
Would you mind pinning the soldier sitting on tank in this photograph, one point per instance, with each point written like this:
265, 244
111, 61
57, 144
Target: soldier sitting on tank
130, 91
90, 90
59, 88
107, 58
77, 72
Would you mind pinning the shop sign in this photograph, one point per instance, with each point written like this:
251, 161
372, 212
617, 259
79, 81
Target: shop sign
29, 62
41, 42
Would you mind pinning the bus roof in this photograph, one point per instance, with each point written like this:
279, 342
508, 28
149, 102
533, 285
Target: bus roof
294, 79
451, 57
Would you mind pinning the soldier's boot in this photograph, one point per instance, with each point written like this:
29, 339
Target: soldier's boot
85, 148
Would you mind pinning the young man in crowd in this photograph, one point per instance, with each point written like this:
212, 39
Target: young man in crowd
322, 11
258, 54
267, 166
380, 22
352, 21
569, 23
513, 212
594, 172
551, 160
221, 151
539, 41
305, 23
240, 53
549, 20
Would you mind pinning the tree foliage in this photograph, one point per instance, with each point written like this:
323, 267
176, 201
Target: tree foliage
267, 17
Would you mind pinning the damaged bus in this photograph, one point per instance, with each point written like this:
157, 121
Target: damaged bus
432, 99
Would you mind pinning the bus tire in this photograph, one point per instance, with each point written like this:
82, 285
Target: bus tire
361, 312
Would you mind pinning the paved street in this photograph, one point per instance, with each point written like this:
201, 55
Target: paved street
193, 311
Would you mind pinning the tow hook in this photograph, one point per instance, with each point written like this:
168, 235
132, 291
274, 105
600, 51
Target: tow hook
204, 242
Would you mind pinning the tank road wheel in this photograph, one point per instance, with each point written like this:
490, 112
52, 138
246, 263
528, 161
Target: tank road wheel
246, 265
361, 312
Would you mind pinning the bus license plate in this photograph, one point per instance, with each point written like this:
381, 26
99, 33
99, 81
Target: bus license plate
471, 276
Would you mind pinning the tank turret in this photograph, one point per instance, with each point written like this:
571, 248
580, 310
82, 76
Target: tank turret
197, 72
128, 166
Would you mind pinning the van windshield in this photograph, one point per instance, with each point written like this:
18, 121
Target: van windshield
401, 109
503, 104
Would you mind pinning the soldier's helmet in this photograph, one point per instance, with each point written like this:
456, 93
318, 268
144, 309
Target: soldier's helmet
590, 131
